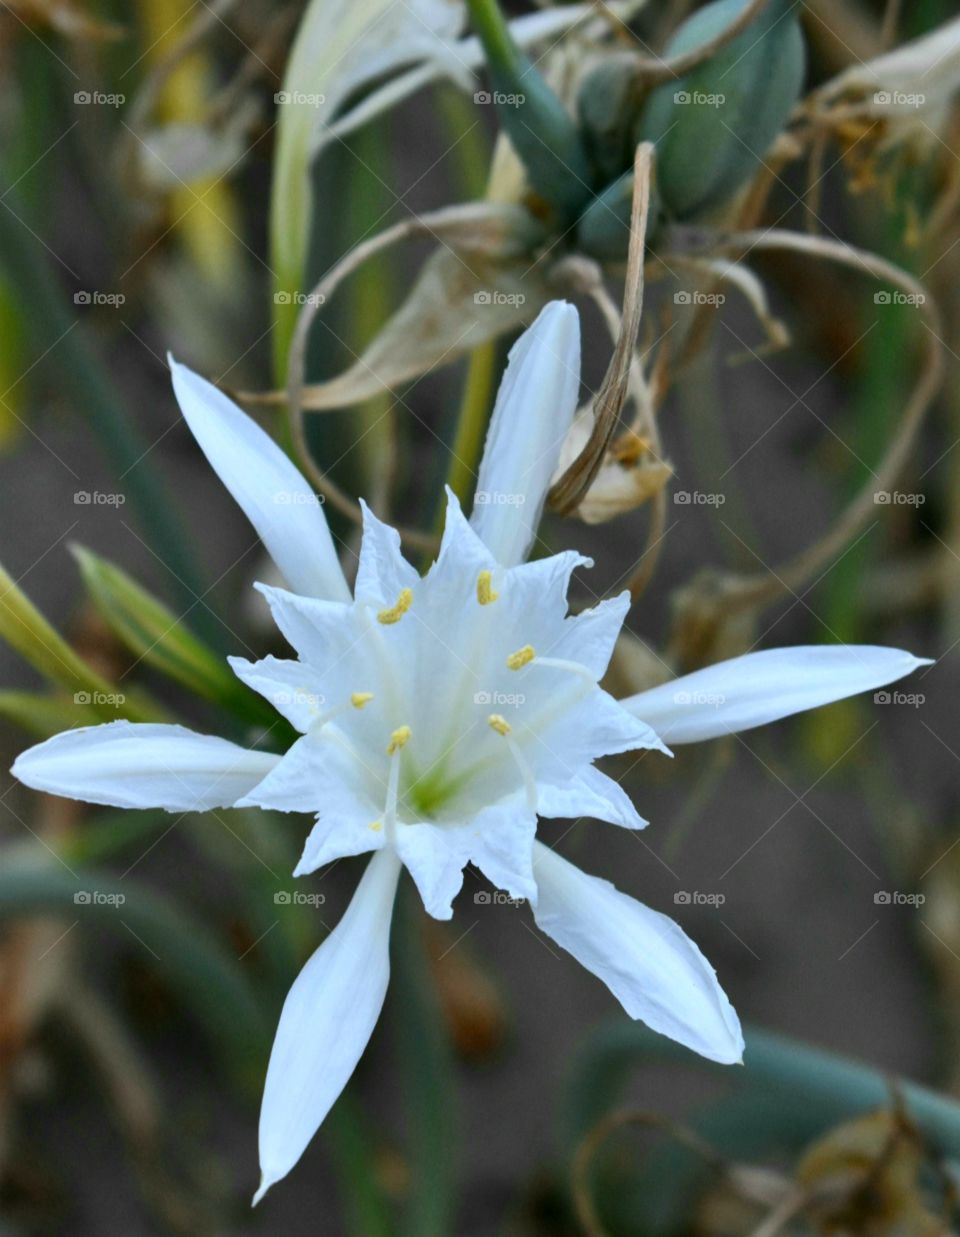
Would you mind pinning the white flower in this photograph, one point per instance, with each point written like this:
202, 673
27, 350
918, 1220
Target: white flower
440, 716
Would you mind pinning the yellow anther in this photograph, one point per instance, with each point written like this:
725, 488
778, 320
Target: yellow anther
522, 657
485, 593
396, 613
498, 723
376, 825
359, 699
399, 738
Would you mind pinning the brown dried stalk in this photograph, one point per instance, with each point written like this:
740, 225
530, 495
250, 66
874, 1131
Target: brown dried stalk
765, 587
566, 493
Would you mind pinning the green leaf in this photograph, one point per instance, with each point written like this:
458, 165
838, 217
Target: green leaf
153, 633
786, 1094
44, 716
26, 630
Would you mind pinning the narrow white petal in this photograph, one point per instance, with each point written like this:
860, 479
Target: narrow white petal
293, 688
762, 687
326, 1022
275, 498
498, 839
142, 765
533, 411
383, 571
646, 960
591, 793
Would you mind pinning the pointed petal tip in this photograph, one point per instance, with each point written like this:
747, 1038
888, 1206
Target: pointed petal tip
265, 1184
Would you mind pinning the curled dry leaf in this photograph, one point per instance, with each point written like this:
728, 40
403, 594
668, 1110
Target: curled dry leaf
479, 285
630, 474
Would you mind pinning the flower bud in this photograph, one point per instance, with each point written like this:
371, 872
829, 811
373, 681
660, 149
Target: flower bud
713, 127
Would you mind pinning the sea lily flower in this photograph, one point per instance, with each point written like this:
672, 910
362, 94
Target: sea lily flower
440, 716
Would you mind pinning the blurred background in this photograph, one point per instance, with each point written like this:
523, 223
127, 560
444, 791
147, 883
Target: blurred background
144, 958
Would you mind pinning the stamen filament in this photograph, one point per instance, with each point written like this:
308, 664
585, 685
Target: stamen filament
574, 667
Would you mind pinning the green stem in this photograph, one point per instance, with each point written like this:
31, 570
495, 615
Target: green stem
472, 420
428, 1080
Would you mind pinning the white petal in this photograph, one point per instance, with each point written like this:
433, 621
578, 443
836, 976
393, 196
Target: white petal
534, 408
383, 571
142, 765
590, 636
275, 498
327, 1020
649, 964
591, 794
762, 687
498, 839
320, 631
291, 687
319, 777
